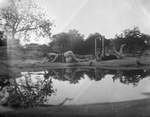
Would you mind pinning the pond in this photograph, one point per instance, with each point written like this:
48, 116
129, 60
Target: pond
72, 86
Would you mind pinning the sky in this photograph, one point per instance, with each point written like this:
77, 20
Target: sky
107, 17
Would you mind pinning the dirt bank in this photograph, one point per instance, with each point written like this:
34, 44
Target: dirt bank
135, 108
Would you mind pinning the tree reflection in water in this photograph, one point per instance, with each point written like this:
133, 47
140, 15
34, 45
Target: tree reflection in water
131, 76
73, 75
32, 90
27, 91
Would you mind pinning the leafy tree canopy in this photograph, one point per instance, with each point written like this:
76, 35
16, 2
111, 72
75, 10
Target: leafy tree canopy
71, 40
25, 18
136, 42
90, 42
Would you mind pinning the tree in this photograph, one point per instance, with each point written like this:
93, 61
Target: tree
25, 18
136, 42
76, 41
89, 43
60, 42
72, 40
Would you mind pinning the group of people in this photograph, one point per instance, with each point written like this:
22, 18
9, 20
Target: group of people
69, 57
111, 54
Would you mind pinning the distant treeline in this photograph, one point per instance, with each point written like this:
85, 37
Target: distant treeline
135, 42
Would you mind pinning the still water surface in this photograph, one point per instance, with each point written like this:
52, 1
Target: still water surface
74, 86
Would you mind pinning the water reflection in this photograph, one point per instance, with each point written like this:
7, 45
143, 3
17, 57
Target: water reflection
26, 91
34, 88
131, 77
73, 75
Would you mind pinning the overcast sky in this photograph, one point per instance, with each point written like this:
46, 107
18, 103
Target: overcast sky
107, 17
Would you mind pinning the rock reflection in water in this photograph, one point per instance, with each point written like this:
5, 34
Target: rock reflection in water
32, 89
